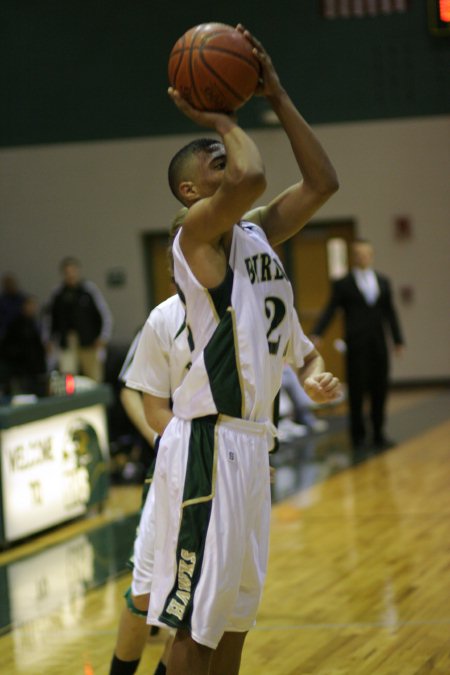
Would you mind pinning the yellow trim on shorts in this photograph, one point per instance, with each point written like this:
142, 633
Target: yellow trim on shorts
207, 498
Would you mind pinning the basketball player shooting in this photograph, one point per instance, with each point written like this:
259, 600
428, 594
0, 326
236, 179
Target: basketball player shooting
211, 483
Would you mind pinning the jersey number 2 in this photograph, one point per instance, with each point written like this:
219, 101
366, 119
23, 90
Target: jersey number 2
275, 312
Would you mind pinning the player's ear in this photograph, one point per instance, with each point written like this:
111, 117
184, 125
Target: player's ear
188, 191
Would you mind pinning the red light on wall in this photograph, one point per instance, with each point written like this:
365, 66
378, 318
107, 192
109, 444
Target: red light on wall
70, 384
444, 10
439, 17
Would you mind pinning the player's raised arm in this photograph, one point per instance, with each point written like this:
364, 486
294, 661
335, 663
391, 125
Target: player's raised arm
224, 182
293, 208
218, 181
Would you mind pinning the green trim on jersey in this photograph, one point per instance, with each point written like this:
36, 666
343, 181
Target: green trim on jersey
199, 487
181, 329
180, 294
221, 362
221, 295
184, 324
276, 420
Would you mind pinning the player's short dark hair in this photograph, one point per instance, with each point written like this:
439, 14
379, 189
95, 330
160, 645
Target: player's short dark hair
178, 161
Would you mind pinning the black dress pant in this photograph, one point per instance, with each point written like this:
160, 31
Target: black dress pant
367, 378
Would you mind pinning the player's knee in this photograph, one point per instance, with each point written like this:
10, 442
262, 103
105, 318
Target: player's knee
137, 604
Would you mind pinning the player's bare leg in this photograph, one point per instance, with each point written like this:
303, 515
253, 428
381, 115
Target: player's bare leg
167, 649
188, 656
132, 635
226, 658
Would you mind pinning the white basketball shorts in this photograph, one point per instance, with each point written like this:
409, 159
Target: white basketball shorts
143, 551
211, 524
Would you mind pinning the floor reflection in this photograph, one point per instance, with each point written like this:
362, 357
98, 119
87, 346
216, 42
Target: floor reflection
301, 463
40, 593
35, 586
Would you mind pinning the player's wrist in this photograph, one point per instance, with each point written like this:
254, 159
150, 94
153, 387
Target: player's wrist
225, 124
277, 97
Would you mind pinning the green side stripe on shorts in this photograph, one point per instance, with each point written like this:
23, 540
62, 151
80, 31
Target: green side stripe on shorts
222, 367
196, 510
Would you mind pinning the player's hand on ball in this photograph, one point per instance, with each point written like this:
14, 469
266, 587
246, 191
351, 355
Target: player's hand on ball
204, 118
270, 82
322, 388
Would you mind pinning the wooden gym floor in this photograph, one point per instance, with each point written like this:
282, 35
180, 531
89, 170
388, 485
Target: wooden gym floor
359, 571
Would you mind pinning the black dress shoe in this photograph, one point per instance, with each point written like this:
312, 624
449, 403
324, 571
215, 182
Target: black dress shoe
359, 444
383, 443
360, 451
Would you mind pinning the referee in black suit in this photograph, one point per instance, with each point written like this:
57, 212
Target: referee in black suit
366, 300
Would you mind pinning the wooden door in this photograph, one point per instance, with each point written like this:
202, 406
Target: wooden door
157, 274
308, 265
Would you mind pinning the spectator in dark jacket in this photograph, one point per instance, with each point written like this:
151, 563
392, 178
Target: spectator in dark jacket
23, 350
80, 323
11, 300
365, 298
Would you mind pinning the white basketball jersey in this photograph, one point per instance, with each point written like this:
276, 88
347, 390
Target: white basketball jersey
239, 332
159, 359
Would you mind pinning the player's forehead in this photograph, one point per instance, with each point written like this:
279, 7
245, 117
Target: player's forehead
204, 159
214, 151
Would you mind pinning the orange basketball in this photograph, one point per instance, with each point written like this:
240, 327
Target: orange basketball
213, 67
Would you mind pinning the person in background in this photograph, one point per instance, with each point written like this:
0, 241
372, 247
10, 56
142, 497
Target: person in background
23, 350
164, 359
365, 298
132, 400
11, 300
159, 352
80, 323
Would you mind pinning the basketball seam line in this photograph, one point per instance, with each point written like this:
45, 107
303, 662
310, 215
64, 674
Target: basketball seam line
223, 50
220, 79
